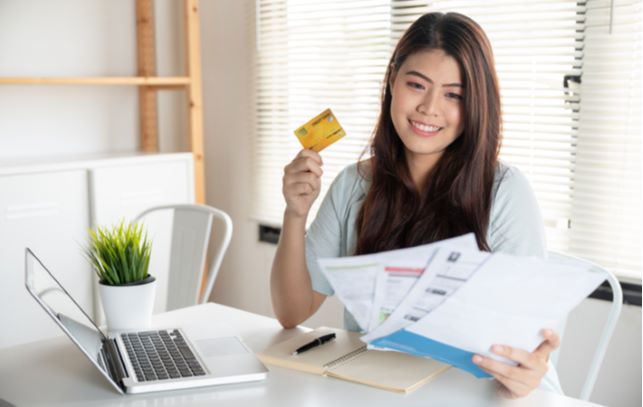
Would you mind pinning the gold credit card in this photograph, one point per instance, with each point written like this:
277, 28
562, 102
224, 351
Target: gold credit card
320, 132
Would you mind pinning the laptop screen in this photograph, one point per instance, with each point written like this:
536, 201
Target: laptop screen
65, 311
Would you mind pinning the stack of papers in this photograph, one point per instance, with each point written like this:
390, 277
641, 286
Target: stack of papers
447, 300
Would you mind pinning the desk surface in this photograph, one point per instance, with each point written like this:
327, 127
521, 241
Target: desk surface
54, 372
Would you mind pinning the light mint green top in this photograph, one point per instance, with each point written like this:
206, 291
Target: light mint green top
515, 227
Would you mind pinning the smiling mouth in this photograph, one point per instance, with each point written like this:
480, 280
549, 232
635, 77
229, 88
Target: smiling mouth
424, 128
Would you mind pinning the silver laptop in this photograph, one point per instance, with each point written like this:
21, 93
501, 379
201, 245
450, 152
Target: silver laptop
152, 360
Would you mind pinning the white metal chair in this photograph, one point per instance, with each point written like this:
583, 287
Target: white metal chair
190, 239
610, 324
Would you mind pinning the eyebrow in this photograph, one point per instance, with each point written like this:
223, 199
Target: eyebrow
426, 78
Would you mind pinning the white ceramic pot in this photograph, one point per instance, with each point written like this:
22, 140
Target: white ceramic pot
128, 307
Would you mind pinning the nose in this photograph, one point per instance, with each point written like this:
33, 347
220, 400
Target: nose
429, 105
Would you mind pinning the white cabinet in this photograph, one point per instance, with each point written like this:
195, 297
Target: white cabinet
125, 190
49, 206
49, 213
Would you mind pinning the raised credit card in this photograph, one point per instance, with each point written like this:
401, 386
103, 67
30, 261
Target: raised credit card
320, 132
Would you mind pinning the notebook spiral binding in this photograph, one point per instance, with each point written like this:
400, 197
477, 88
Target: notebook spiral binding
345, 357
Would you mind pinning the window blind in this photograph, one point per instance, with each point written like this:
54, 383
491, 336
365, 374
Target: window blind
606, 211
570, 94
314, 55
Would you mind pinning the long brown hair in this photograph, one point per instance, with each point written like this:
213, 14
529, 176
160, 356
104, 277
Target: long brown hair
457, 196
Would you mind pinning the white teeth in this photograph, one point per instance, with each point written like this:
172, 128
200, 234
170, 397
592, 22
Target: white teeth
425, 127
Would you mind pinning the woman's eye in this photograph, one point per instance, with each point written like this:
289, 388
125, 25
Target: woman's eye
455, 96
415, 85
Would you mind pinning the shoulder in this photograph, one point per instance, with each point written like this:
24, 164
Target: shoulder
352, 181
356, 172
515, 224
346, 192
509, 180
511, 191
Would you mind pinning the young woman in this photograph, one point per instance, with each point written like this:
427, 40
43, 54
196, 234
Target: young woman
433, 174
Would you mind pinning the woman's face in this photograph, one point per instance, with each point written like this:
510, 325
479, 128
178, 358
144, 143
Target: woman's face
426, 106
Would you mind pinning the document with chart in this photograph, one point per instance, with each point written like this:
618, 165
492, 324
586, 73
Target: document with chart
371, 286
450, 267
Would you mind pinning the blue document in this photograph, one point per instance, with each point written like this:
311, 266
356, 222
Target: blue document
405, 341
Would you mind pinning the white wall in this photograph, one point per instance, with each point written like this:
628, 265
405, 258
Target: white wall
244, 279
81, 38
619, 381
76, 37
227, 35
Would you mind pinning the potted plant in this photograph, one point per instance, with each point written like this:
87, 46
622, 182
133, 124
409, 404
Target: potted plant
120, 256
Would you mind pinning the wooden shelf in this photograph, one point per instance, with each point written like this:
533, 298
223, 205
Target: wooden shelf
156, 81
149, 84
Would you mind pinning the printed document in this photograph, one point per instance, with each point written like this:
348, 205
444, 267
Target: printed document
371, 286
448, 269
508, 300
447, 300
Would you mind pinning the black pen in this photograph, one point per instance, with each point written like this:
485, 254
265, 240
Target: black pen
314, 343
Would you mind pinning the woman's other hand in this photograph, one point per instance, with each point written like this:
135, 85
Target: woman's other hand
302, 182
520, 380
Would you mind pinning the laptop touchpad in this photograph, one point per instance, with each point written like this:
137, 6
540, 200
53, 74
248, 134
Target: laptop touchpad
224, 346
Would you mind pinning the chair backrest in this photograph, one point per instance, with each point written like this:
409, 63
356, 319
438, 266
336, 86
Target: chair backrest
608, 328
191, 231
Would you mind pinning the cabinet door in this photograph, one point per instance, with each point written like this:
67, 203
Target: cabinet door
48, 213
124, 191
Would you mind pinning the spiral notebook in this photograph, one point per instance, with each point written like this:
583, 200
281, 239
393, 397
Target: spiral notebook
347, 358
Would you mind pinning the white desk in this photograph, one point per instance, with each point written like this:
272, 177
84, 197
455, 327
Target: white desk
54, 372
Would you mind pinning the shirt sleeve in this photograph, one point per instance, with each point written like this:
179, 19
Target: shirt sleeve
324, 236
516, 225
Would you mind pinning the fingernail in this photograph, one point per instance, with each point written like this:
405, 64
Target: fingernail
477, 359
497, 348
547, 332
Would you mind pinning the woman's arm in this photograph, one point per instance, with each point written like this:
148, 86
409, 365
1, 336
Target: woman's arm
293, 298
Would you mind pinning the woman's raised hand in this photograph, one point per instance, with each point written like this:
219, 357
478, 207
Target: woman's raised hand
302, 182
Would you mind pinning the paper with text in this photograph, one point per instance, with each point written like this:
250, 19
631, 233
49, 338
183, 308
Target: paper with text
353, 279
449, 268
370, 292
508, 301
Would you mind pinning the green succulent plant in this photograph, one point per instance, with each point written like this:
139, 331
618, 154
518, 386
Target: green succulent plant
120, 254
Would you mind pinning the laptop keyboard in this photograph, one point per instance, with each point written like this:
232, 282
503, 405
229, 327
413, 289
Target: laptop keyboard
161, 355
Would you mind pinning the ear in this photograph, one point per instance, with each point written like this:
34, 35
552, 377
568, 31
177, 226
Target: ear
392, 77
